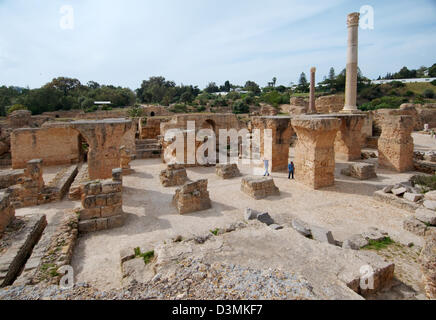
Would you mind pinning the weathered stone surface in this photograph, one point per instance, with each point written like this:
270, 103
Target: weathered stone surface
250, 214
414, 197
355, 242
192, 197
322, 235
396, 201
227, 171
23, 241
20, 119
348, 145
429, 204
431, 196
426, 216
388, 189
125, 158
395, 145
301, 227
259, 187
174, 175
10, 177
415, 226
374, 234
7, 211
428, 265
276, 227
315, 156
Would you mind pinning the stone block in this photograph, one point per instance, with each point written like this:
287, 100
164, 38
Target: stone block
88, 214
227, 171
113, 199
110, 211
431, 196
355, 242
174, 175
116, 221
117, 174
322, 235
426, 216
265, 218
301, 227
414, 197
388, 189
362, 171
109, 186
399, 192
89, 202
429, 204
250, 214
415, 226
87, 226
192, 197
259, 187
276, 227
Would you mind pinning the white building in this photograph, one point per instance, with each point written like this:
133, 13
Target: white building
404, 80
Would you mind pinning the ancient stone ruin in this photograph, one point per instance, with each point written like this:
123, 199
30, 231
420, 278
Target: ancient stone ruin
395, 145
102, 203
259, 187
227, 171
315, 155
174, 175
192, 197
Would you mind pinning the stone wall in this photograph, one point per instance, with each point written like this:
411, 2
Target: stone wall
20, 119
314, 153
174, 175
7, 211
102, 203
428, 265
395, 145
330, 104
150, 130
155, 111
10, 177
348, 144
55, 146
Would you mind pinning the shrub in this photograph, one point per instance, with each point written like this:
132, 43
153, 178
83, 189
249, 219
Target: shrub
428, 182
409, 93
179, 108
429, 94
91, 109
397, 84
135, 112
233, 95
240, 107
16, 107
433, 82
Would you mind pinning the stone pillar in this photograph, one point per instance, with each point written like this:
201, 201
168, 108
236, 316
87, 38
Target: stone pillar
315, 153
33, 171
312, 108
352, 63
125, 158
282, 133
7, 211
395, 146
348, 143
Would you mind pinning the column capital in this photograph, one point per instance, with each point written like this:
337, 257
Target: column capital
353, 19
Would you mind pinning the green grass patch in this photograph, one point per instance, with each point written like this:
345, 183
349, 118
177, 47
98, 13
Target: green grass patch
215, 232
428, 182
146, 256
379, 245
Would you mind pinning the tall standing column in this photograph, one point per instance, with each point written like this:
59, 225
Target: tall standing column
312, 108
352, 61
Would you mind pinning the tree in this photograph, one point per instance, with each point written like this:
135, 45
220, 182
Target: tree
274, 81
212, 88
240, 107
64, 84
332, 74
93, 85
432, 71
155, 89
303, 85
226, 87
252, 87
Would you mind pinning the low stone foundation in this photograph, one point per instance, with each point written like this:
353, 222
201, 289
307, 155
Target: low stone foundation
227, 171
102, 203
428, 265
81, 178
19, 244
174, 175
259, 187
10, 177
54, 250
192, 197
425, 166
361, 171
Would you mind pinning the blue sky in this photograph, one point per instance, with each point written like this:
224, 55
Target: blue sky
198, 41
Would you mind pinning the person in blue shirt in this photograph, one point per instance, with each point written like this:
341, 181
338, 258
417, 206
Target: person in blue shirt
291, 169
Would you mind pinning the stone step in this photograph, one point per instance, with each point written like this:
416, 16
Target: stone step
148, 153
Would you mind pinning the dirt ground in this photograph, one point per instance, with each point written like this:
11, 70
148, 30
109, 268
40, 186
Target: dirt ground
346, 209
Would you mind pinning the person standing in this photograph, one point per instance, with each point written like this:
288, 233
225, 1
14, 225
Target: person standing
291, 169
266, 165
